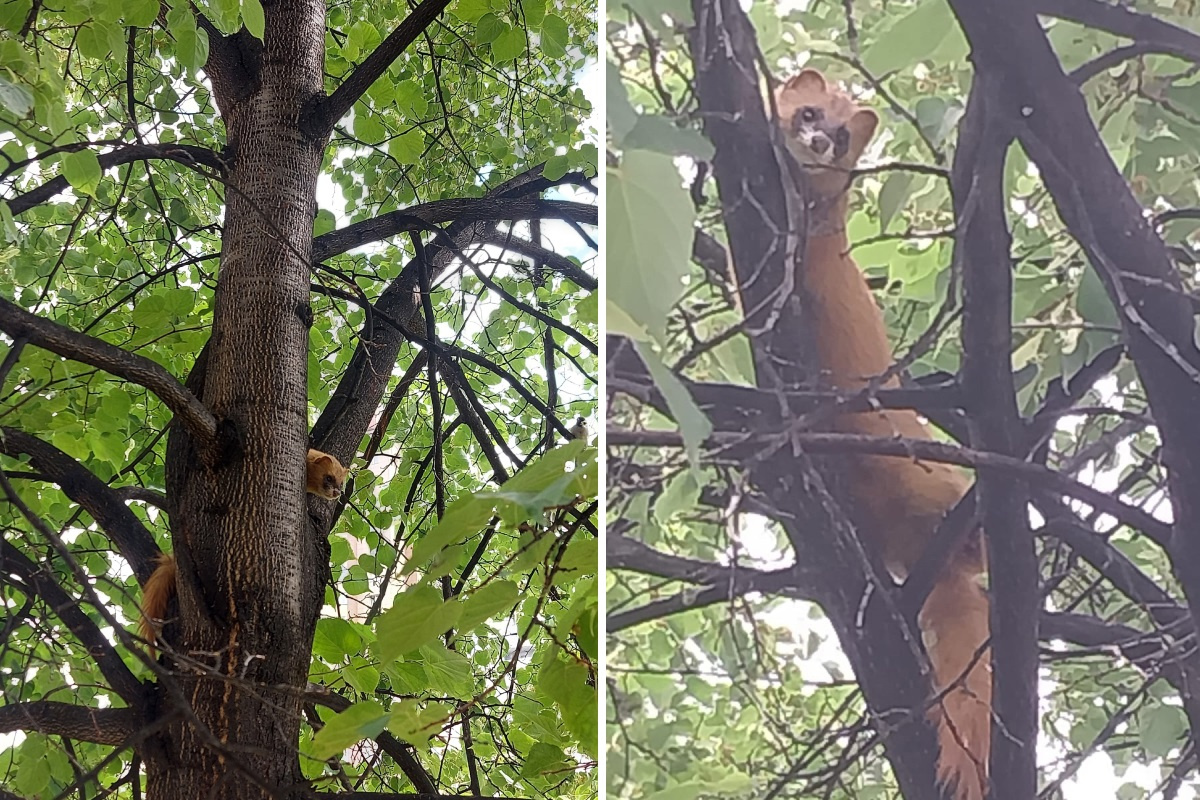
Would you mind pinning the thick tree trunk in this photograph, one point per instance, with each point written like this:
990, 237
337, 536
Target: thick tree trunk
251, 566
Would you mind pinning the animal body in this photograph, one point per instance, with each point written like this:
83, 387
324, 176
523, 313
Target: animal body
901, 500
325, 478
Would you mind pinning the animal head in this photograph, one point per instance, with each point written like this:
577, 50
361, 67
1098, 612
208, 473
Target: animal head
826, 130
326, 475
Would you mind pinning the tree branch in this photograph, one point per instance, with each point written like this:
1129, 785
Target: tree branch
982, 247
19, 323
186, 154
421, 217
326, 113
111, 726
1099, 209
549, 259
1045, 479
104, 503
400, 752
43, 584
352, 407
1121, 21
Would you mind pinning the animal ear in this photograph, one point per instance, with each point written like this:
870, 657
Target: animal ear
862, 127
324, 458
808, 79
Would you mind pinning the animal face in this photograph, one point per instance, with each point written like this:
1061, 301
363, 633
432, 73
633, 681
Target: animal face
326, 475
824, 127
330, 488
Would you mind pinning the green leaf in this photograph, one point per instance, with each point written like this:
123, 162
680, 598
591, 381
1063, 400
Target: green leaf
335, 639
415, 724
417, 617
1093, 303
96, 40
649, 239
587, 630
14, 98
694, 426
582, 556
660, 134
360, 721
892, 197
470, 10
324, 222
555, 36
253, 18
139, 13
408, 147
465, 517
82, 171
566, 684
1161, 729
681, 495
509, 44
488, 28
556, 167
448, 672
363, 36
621, 116
361, 676
486, 602
534, 11
14, 13
588, 310
544, 483
410, 100
544, 759
367, 125
937, 117
191, 46
910, 38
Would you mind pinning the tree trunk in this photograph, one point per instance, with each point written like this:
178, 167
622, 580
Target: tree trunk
251, 565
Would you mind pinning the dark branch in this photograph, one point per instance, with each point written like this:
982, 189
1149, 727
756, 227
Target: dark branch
19, 323
104, 503
111, 726
420, 217
43, 584
323, 117
186, 154
400, 752
983, 246
1046, 480
1098, 207
547, 257
1144, 29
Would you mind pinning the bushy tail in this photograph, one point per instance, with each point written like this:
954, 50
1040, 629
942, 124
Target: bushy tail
954, 623
157, 595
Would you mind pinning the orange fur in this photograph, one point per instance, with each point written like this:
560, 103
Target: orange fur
902, 499
157, 595
325, 477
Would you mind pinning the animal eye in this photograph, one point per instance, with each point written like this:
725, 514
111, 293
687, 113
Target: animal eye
808, 114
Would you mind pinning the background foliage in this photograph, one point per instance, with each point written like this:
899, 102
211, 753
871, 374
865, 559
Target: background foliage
719, 684
111, 211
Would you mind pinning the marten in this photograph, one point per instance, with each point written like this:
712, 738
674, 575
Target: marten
902, 500
325, 478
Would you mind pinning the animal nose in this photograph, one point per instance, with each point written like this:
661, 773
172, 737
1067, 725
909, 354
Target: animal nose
819, 144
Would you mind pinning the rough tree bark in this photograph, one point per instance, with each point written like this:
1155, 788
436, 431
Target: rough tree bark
251, 566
